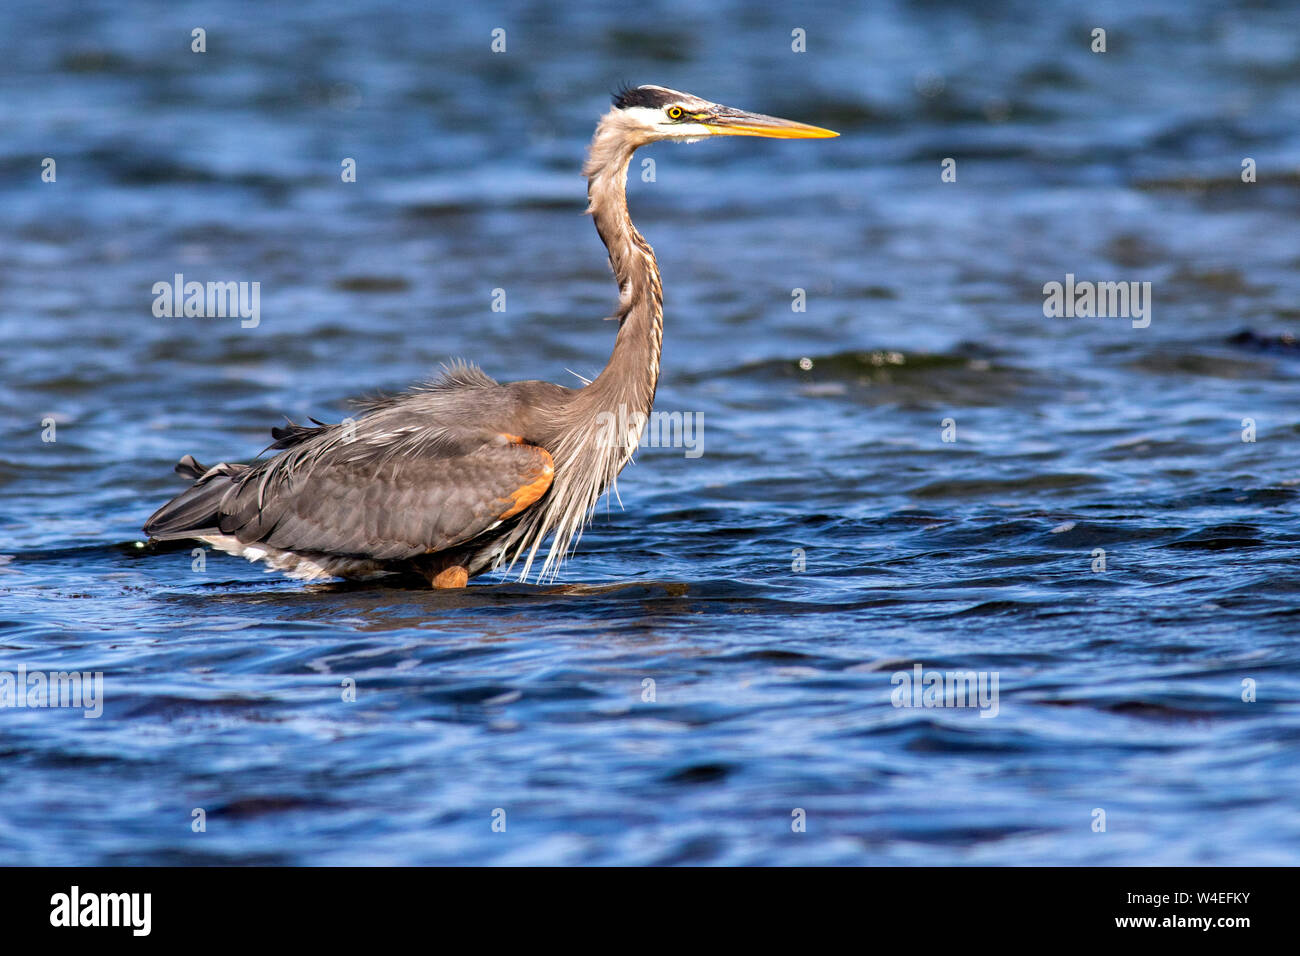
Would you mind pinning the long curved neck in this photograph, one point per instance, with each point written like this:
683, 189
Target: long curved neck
630, 376
600, 427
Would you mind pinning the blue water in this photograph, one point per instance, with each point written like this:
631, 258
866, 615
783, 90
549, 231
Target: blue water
1119, 689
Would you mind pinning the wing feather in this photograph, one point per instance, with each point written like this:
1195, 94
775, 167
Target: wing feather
392, 509
419, 473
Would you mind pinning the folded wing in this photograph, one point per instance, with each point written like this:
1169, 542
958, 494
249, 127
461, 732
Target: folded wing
353, 498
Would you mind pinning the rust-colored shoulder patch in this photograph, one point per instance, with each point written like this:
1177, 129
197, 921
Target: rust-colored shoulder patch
529, 493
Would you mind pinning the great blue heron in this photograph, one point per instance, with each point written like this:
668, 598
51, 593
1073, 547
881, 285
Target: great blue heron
465, 474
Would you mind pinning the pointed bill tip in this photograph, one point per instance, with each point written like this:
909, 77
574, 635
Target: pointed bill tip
767, 126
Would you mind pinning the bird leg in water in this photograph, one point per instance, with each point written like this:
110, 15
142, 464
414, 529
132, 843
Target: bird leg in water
443, 571
454, 576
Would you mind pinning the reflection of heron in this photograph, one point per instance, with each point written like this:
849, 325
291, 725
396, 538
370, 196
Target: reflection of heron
465, 474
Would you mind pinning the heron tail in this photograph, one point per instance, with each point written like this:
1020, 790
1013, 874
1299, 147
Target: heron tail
195, 511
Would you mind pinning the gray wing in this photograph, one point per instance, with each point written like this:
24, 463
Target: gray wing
366, 507
385, 488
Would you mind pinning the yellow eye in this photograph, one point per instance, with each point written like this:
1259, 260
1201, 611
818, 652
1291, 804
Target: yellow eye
674, 112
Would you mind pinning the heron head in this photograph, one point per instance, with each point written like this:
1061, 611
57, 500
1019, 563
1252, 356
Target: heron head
655, 113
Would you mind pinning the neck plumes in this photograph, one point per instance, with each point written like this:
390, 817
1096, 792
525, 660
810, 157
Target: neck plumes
604, 420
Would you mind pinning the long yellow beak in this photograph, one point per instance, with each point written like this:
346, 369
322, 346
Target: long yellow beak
729, 122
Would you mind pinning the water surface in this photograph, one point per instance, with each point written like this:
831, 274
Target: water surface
823, 438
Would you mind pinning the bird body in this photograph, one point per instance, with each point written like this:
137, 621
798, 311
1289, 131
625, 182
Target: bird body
465, 474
